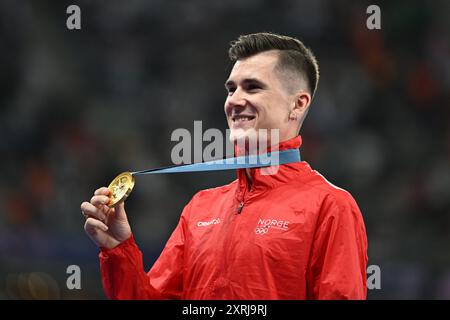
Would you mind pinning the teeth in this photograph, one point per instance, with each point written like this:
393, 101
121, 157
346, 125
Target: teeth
242, 118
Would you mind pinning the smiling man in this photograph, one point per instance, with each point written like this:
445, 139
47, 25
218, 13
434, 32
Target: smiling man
289, 235
265, 91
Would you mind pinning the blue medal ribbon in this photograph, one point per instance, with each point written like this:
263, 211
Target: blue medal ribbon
241, 162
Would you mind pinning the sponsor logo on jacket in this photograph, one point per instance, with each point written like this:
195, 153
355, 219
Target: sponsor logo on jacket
208, 223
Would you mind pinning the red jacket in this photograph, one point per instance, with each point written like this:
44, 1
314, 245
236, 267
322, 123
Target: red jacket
292, 236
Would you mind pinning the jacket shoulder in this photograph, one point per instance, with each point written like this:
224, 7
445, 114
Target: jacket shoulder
213, 192
327, 191
339, 204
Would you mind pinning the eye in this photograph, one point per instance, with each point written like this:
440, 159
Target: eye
230, 90
253, 87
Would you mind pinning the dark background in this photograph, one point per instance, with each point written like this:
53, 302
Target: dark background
78, 107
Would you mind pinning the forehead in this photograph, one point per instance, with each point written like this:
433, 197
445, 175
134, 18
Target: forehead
259, 65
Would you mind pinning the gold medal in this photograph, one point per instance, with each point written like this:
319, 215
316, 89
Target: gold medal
120, 188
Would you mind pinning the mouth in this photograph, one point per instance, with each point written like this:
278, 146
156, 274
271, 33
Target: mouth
243, 121
242, 118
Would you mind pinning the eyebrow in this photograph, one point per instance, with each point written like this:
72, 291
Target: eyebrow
247, 81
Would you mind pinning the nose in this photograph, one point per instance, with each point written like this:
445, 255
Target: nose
235, 100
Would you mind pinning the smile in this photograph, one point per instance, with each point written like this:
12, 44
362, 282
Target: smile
242, 118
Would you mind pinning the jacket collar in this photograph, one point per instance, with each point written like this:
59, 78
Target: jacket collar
262, 182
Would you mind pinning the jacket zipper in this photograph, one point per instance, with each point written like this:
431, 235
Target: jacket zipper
242, 201
240, 207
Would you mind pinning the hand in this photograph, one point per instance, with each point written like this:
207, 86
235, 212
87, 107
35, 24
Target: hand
107, 227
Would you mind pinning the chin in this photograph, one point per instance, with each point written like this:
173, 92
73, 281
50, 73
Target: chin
239, 134
248, 140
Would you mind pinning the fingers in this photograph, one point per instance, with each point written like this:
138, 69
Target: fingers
100, 200
92, 225
88, 209
97, 231
102, 191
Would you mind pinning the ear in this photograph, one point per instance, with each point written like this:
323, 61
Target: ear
300, 105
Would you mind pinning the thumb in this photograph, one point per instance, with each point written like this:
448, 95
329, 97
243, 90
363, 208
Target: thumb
120, 212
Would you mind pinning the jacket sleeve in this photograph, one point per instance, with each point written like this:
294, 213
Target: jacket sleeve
124, 277
338, 261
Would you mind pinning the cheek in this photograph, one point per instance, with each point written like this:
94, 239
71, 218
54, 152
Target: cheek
273, 108
274, 117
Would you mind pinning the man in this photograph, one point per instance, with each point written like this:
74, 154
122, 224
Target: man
287, 235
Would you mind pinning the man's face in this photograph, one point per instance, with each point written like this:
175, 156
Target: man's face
256, 97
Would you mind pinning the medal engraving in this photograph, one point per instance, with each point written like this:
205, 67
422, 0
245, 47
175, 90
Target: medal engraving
120, 188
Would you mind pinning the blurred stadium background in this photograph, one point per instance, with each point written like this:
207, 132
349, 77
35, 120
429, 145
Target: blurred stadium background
78, 107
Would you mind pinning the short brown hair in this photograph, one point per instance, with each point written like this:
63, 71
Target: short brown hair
293, 55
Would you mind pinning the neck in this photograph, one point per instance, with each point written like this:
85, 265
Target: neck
245, 151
